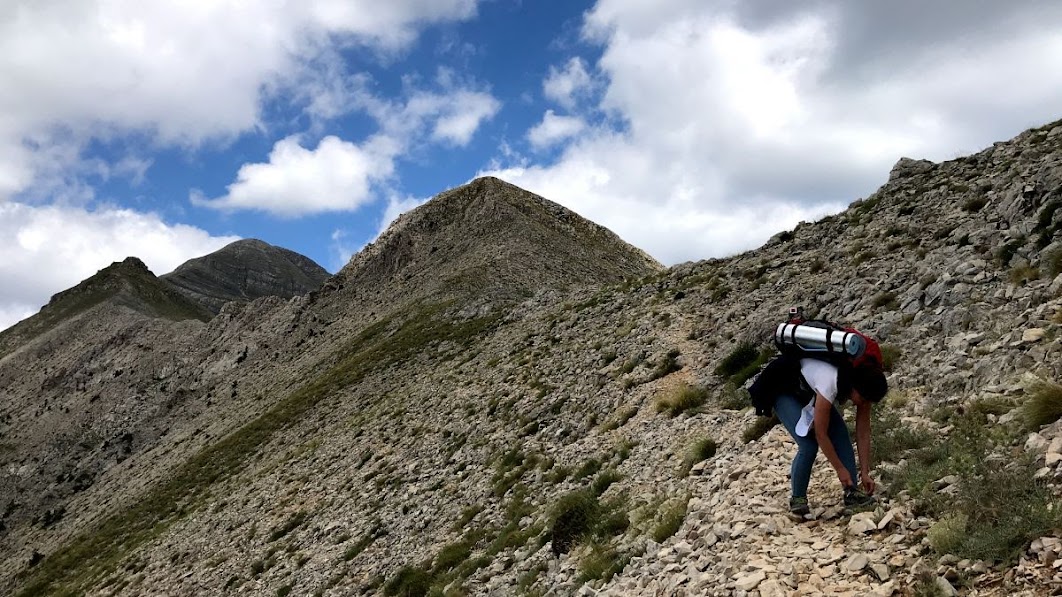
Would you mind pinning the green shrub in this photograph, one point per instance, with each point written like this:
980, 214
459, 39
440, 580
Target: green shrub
587, 468
409, 581
1021, 274
740, 357
734, 398
667, 365
739, 378
1004, 506
620, 418
974, 204
699, 451
891, 438
284, 591
670, 521
601, 562
452, 555
1005, 253
1044, 406
758, 428
604, 480
558, 474
885, 300
680, 398
572, 518
946, 535
288, 526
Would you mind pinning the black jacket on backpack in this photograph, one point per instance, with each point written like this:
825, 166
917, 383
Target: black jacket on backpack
782, 376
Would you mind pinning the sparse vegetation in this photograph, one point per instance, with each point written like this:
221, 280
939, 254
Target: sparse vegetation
1044, 405
974, 204
886, 301
743, 355
701, 450
995, 508
619, 418
890, 354
680, 398
1022, 274
758, 428
671, 517
379, 346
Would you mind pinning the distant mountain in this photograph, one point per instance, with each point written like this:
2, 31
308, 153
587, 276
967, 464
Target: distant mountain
128, 284
246, 270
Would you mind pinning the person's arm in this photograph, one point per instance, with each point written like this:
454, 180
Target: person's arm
863, 445
822, 435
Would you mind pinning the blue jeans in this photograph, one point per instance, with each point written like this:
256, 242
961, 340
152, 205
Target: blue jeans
787, 408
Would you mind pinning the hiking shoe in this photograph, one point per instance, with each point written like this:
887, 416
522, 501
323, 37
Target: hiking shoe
856, 498
798, 506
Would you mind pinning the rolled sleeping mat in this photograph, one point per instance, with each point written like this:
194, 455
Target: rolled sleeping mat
817, 339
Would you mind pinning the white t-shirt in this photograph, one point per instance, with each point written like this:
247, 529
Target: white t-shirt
822, 377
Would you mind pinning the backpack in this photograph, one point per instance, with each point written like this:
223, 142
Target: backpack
800, 338
826, 341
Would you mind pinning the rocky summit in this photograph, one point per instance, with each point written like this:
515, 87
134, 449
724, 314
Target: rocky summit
498, 397
246, 270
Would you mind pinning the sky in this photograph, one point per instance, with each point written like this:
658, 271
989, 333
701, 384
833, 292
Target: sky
691, 128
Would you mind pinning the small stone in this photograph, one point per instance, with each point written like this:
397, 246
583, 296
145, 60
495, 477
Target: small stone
881, 571
747, 583
1032, 335
861, 523
1036, 444
888, 518
945, 587
1053, 459
856, 562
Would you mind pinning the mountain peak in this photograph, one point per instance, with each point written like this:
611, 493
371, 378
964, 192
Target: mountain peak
493, 239
245, 270
128, 283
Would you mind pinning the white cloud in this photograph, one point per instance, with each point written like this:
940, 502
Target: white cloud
52, 248
342, 176
554, 129
565, 86
180, 72
297, 181
461, 115
740, 119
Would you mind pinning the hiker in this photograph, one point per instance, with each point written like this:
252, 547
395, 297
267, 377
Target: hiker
805, 392
819, 424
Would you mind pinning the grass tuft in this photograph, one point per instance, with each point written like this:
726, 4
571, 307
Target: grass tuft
699, 451
1044, 405
758, 428
680, 398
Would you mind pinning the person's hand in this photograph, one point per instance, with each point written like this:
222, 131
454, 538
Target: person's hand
845, 477
868, 484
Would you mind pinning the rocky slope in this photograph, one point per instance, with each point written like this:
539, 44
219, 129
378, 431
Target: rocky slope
246, 270
127, 284
399, 430
492, 241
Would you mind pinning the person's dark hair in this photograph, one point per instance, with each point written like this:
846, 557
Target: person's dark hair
870, 383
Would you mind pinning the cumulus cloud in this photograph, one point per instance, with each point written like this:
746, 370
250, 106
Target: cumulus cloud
335, 176
745, 118
181, 73
566, 85
341, 176
52, 248
554, 129
461, 115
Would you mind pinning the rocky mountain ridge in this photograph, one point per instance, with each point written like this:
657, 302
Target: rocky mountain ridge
243, 271
411, 445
